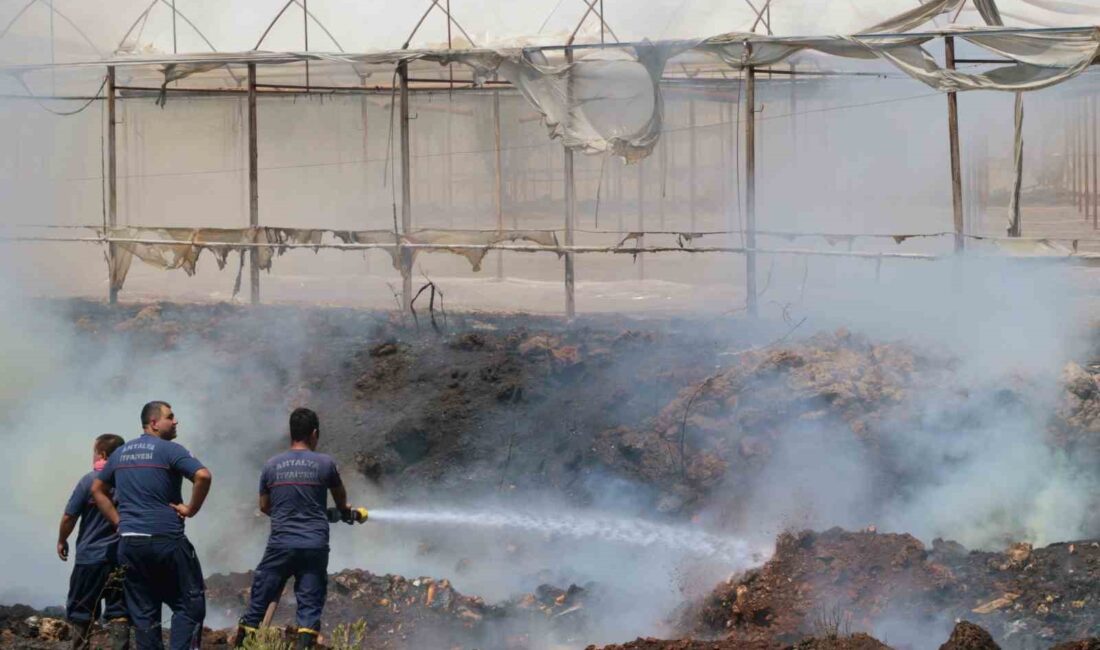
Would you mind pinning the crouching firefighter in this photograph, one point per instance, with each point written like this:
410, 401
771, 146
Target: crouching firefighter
294, 489
96, 577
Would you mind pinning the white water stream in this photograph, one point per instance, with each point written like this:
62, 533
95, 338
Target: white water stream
630, 532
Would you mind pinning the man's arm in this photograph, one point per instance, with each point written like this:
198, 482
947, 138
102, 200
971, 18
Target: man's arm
339, 497
200, 488
68, 523
103, 502
265, 503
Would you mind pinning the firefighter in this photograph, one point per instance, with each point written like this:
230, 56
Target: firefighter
294, 488
160, 564
95, 585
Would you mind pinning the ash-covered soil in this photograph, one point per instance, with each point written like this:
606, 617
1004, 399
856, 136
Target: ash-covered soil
1026, 597
691, 415
495, 401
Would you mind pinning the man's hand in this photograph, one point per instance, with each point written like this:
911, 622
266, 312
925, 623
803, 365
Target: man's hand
184, 511
68, 523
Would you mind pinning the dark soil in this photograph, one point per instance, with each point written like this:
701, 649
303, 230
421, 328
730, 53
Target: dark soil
1025, 597
686, 412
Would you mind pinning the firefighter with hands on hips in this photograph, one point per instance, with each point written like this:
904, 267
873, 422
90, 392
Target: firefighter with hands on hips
160, 564
294, 488
95, 580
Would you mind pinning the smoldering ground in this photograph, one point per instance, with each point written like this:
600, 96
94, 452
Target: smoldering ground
965, 456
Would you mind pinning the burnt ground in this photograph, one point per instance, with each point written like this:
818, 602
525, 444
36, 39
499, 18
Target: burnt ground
512, 400
684, 411
1025, 597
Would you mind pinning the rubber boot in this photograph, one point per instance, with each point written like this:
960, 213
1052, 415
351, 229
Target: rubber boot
306, 639
119, 632
82, 635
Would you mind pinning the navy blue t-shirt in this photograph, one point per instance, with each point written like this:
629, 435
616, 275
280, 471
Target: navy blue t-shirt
147, 473
95, 542
297, 482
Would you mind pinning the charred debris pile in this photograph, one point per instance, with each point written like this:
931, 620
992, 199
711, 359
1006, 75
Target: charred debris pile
688, 413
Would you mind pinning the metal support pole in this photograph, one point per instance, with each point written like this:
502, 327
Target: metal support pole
618, 170
663, 146
1090, 186
1083, 157
1075, 155
498, 192
253, 186
953, 136
305, 35
691, 161
1015, 226
112, 182
363, 116
1096, 187
641, 218
794, 107
570, 208
1067, 154
750, 187
406, 188
448, 163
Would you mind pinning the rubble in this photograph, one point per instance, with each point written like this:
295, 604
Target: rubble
726, 424
1025, 597
394, 608
967, 636
514, 405
400, 612
848, 642
1076, 423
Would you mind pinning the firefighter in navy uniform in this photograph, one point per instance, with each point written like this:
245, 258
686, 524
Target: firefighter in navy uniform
95, 579
161, 567
294, 488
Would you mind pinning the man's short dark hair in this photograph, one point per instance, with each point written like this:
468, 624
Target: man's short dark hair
107, 443
152, 411
303, 422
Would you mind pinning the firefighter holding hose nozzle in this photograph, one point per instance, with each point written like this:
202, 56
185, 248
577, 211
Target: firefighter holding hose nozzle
294, 489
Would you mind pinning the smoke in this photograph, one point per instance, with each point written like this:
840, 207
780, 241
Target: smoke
969, 461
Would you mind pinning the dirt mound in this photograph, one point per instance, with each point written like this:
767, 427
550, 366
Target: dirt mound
650, 643
852, 642
1076, 424
1024, 596
730, 420
395, 609
967, 636
1082, 644
400, 612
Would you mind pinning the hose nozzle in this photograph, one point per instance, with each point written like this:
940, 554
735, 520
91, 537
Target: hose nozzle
348, 516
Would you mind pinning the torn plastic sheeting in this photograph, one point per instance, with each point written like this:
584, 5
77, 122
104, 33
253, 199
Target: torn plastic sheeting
1037, 60
475, 256
185, 254
1042, 60
447, 238
608, 100
604, 101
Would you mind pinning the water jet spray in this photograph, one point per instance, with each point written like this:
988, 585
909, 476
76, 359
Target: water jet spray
630, 532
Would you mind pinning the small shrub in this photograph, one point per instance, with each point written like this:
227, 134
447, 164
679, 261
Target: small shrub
349, 637
832, 622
